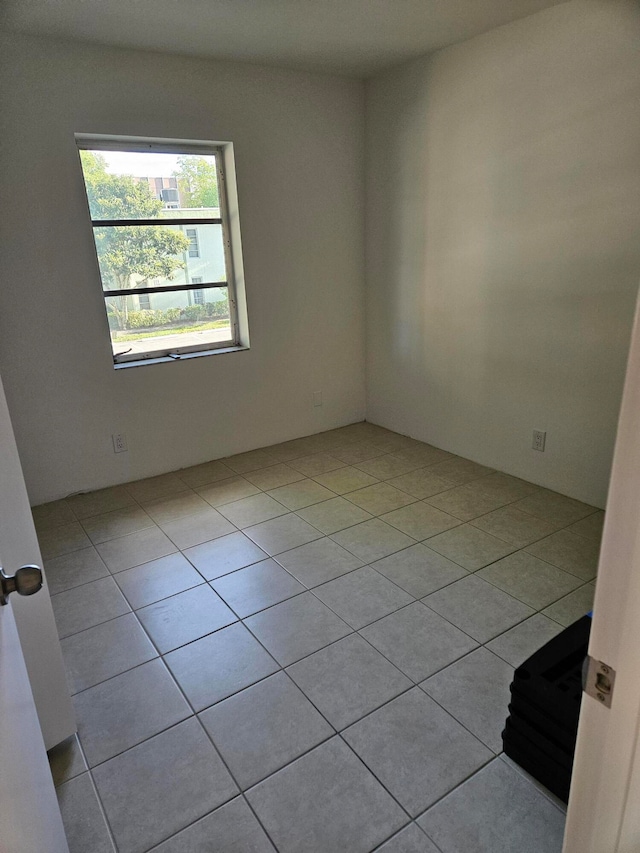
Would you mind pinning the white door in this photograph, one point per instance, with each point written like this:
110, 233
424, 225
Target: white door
34, 616
35, 706
604, 805
30, 819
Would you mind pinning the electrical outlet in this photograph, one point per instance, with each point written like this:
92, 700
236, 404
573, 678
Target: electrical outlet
317, 398
119, 442
539, 440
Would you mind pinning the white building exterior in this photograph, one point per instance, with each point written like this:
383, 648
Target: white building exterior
203, 261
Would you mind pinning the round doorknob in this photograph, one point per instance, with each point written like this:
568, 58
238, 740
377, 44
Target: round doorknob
26, 581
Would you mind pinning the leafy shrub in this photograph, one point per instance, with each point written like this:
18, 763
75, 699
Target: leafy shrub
194, 312
217, 309
142, 319
149, 318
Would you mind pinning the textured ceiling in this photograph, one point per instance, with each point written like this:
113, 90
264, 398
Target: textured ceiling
351, 37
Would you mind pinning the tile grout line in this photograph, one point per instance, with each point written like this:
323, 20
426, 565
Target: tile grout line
353, 631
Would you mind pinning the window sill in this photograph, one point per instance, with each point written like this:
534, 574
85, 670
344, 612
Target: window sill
185, 356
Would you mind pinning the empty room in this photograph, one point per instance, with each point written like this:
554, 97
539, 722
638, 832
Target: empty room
317, 344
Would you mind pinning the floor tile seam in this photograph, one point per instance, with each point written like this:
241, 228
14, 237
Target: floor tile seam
420, 467
135, 610
330, 536
469, 571
322, 532
342, 494
239, 795
213, 538
516, 549
146, 739
513, 627
330, 452
75, 586
195, 714
431, 535
502, 539
562, 808
577, 589
380, 574
473, 479
136, 504
179, 472
448, 793
412, 502
95, 791
551, 518
90, 544
244, 790
419, 601
241, 620
359, 719
95, 624
369, 624
144, 562
232, 571
111, 538
446, 619
51, 526
509, 502
131, 505
284, 666
376, 777
170, 494
164, 597
103, 810
522, 601
452, 713
568, 571
309, 588
353, 554
296, 594
444, 586
143, 504
402, 829
395, 665
111, 677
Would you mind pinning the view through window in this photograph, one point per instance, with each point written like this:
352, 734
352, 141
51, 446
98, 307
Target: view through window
162, 241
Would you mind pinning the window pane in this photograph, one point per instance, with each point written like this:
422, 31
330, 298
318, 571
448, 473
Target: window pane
133, 256
150, 185
173, 320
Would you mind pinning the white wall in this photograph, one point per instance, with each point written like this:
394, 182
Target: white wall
503, 242
298, 142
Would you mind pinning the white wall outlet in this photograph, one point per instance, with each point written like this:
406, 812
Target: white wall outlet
317, 398
119, 442
539, 440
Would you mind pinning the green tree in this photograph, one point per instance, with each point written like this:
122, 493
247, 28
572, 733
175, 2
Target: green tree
128, 255
197, 181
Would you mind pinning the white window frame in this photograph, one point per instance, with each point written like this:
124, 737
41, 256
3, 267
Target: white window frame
229, 220
194, 242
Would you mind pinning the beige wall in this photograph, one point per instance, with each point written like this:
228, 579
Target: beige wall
503, 242
298, 142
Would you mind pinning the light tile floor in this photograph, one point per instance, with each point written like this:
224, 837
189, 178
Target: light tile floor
308, 647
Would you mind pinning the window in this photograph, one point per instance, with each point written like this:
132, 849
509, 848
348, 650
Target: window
198, 295
147, 231
194, 248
